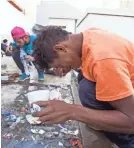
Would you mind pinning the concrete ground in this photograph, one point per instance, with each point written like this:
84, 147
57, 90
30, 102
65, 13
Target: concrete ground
90, 138
9, 67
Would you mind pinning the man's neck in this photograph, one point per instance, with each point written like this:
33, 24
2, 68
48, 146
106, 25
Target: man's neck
77, 40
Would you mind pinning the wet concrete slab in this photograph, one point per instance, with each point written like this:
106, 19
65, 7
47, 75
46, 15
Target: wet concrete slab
14, 98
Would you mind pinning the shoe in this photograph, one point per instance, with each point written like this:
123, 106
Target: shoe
41, 76
24, 77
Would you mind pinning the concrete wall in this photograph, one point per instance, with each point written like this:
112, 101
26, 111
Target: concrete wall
57, 13
68, 23
121, 25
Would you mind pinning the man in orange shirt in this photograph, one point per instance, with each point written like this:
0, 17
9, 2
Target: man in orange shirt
106, 89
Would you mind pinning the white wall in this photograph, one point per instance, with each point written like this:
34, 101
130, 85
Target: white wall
123, 26
55, 9
70, 24
11, 17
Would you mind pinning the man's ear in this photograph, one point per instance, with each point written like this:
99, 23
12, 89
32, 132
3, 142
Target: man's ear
59, 47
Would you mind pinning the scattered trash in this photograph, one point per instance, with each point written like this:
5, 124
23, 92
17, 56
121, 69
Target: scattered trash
48, 135
13, 118
35, 134
40, 95
20, 100
64, 87
75, 133
22, 121
7, 124
56, 133
41, 132
36, 108
33, 120
5, 113
32, 88
76, 143
8, 136
26, 144
55, 94
68, 101
34, 131
15, 123
60, 144
62, 126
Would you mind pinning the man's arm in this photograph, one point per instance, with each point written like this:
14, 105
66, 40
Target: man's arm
120, 120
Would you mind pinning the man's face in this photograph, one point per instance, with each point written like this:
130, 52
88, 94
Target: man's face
67, 59
22, 41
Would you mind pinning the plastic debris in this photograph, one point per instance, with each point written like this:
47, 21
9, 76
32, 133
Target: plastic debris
4, 78
48, 135
8, 136
7, 124
56, 133
36, 108
67, 101
22, 121
26, 144
62, 126
34, 131
60, 144
33, 120
13, 118
55, 94
76, 143
5, 113
75, 133
15, 123
41, 132
40, 95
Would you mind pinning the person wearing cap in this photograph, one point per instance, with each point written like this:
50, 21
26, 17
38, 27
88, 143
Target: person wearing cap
24, 41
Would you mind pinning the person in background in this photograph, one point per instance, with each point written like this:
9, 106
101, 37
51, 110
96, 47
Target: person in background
5, 48
106, 85
24, 41
4, 45
15, 52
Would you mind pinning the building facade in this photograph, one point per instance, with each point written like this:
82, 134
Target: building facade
118, 21
57, 13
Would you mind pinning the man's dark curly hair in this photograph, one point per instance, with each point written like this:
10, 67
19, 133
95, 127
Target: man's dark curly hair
45, 42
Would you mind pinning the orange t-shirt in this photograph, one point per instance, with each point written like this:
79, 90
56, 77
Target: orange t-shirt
108, 60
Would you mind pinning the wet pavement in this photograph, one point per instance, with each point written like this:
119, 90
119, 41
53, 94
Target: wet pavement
18, 133
15, 106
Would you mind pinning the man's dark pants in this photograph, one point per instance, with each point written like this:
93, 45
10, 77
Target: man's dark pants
87, 94
17, 60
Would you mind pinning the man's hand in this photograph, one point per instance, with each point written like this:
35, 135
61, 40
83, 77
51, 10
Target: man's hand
9, 49
54, 112
29, 58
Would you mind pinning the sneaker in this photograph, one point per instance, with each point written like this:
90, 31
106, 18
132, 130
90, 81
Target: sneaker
41, 76
24, 77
